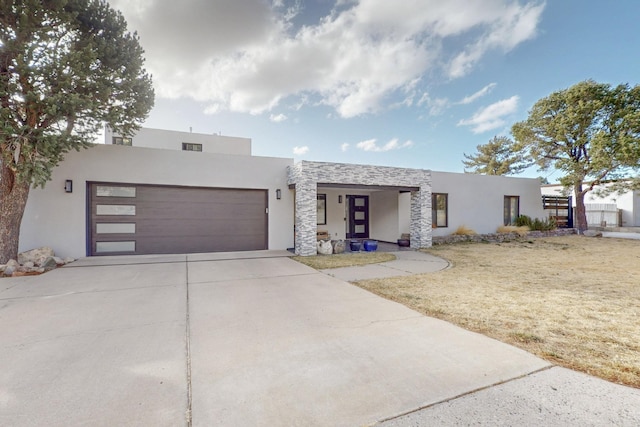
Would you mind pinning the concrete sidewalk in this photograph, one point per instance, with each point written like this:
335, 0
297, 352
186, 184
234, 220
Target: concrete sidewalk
406, 263
215, 339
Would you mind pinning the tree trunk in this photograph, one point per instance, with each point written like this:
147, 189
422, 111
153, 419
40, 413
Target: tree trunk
13, 199
581, 212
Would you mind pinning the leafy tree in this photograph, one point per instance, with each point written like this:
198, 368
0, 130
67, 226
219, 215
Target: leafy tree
66, 67
590, 131
497, 157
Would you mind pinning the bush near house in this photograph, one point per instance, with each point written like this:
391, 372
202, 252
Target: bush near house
536, 224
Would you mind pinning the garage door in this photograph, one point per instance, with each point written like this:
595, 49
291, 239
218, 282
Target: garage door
149, 219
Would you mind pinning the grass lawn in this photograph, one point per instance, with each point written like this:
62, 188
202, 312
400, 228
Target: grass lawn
321, 262
573, 300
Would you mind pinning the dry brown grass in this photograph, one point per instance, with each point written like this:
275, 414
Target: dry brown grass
572, 300
321, 262
522, 230
463, 230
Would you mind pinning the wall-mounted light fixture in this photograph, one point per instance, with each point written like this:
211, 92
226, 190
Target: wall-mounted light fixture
278, 194
340, 198
68, 186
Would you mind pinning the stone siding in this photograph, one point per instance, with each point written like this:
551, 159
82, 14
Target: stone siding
306, 176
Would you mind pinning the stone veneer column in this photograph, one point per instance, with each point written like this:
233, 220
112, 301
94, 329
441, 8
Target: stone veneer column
305, 218
420, 226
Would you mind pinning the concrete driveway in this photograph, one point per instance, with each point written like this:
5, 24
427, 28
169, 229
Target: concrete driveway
258, 339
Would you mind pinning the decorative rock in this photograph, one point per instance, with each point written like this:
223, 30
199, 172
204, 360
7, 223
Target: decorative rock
338, 246
498, 238
592, 233
49, 263
324, 247
33, 262
37, 256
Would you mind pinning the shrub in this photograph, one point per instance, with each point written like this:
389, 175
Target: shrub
523, 220
463, 230
536, 224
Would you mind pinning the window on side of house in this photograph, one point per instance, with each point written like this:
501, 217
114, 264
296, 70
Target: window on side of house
511, 209
322, 209
121, 140
439, 210
188, 146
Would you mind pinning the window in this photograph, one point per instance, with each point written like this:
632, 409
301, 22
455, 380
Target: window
511, 209
187, 146
439, 210
104, 247
322, 209
120, 140
111, 191
115, 210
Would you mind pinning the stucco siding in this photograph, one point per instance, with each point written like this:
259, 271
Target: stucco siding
477, 201
404, 213
172, 140
58, 219
383, 207
335, 213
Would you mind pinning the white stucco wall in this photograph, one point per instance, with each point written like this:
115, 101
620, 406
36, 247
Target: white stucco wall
58, 219
477, 201
170, 139
335, 213
404, 213
383, 216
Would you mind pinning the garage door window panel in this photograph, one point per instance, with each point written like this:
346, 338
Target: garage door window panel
129, 210
113, 191
115, 228
110, 247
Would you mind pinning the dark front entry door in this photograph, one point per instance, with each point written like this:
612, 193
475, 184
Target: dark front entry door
358, 217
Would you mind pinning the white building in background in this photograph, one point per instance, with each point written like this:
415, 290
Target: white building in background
180, 192
613, 210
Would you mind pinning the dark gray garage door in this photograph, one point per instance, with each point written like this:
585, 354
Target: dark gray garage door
149, 219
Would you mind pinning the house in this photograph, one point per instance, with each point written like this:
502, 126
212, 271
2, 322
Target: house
180, 192
613, 210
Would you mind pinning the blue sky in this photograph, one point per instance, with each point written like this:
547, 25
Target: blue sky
410, 83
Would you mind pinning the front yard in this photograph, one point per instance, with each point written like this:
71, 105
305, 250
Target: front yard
573, 300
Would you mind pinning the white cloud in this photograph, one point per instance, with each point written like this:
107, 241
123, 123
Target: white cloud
371, 145
278, 118
435, 106
492, 116
512, 26
249, 55
479, 94
300, 151
344, 147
